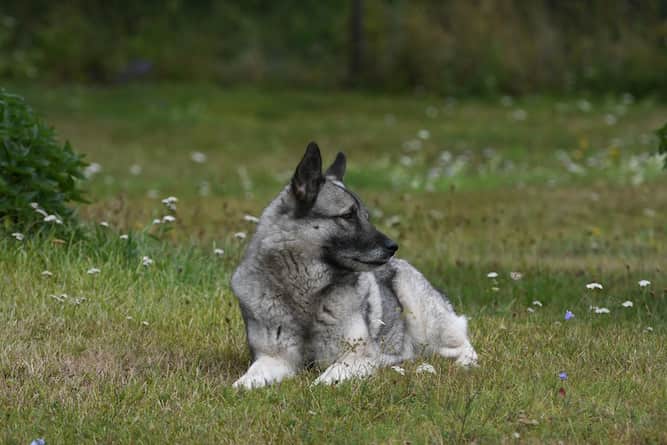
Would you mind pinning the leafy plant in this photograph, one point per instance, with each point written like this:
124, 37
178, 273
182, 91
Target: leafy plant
662, 141
38, 175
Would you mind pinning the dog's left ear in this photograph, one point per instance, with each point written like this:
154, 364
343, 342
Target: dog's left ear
337, 169
308, 178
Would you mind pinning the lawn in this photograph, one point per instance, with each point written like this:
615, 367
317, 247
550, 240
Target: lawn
106, 348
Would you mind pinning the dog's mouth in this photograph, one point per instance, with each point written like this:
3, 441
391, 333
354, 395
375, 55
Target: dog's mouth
372, 263
376, 263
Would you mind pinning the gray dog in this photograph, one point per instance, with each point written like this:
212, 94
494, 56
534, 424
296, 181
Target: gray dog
319, 285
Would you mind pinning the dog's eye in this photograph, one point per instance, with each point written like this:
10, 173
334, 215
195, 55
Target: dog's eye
350, 214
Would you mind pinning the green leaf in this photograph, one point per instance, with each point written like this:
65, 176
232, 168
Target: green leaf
34, 166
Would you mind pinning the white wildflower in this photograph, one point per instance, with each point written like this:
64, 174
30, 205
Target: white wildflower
393, 220
198, 157
40, 211
492, 274
250, 218
627, 303
516, 276
60, 298
170, 202
648, 329
593, 286
47, 273
124, 237
519, 115
144, 322
530, 309
104, 224
584, 105
157, 221
93, 271
52, 218
425, 367
240, 235
168, 219
610, 119
406, 161
18, 236
135, 169
644, 283
218, 251
398, 369
423, 134
600, 310
146, 261
537, 303
129, 317
92, 169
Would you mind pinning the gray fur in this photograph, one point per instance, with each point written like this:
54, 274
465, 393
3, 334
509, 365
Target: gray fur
318, 285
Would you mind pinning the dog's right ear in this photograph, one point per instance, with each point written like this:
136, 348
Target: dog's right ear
337, 169
308, 178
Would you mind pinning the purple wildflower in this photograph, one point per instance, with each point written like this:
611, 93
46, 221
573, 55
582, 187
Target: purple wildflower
562, 375
568, 315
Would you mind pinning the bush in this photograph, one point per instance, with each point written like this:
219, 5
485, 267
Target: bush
38, 176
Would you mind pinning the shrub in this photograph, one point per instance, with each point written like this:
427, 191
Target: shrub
38, 176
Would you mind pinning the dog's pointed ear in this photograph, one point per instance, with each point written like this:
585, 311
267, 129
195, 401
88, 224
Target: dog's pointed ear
337, 169
308, 177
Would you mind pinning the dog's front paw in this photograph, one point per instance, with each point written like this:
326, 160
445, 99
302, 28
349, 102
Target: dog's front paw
250, 381
264, 371
343, 370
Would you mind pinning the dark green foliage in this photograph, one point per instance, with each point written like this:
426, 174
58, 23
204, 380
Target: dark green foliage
453, 47
662, 141
34, 168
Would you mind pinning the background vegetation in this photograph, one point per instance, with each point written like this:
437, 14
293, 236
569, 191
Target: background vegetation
454, 47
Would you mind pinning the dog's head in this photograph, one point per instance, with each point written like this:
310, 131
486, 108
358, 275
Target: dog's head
334, 218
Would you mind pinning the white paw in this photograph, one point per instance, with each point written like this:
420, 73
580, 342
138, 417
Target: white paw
343, 371
264, 371
251, 381
467, 357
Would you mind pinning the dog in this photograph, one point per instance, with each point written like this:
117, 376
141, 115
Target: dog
319, 286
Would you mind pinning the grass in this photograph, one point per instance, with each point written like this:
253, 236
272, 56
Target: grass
150, 354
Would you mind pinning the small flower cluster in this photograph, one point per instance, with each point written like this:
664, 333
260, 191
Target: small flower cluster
49, 218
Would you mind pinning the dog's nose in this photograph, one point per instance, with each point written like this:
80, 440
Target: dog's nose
389, 244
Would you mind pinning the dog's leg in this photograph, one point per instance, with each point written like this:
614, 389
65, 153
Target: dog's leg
432, 323
455, 343
361, 358
265, 371
277, 351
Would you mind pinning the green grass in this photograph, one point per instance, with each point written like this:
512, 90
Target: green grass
150, 354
